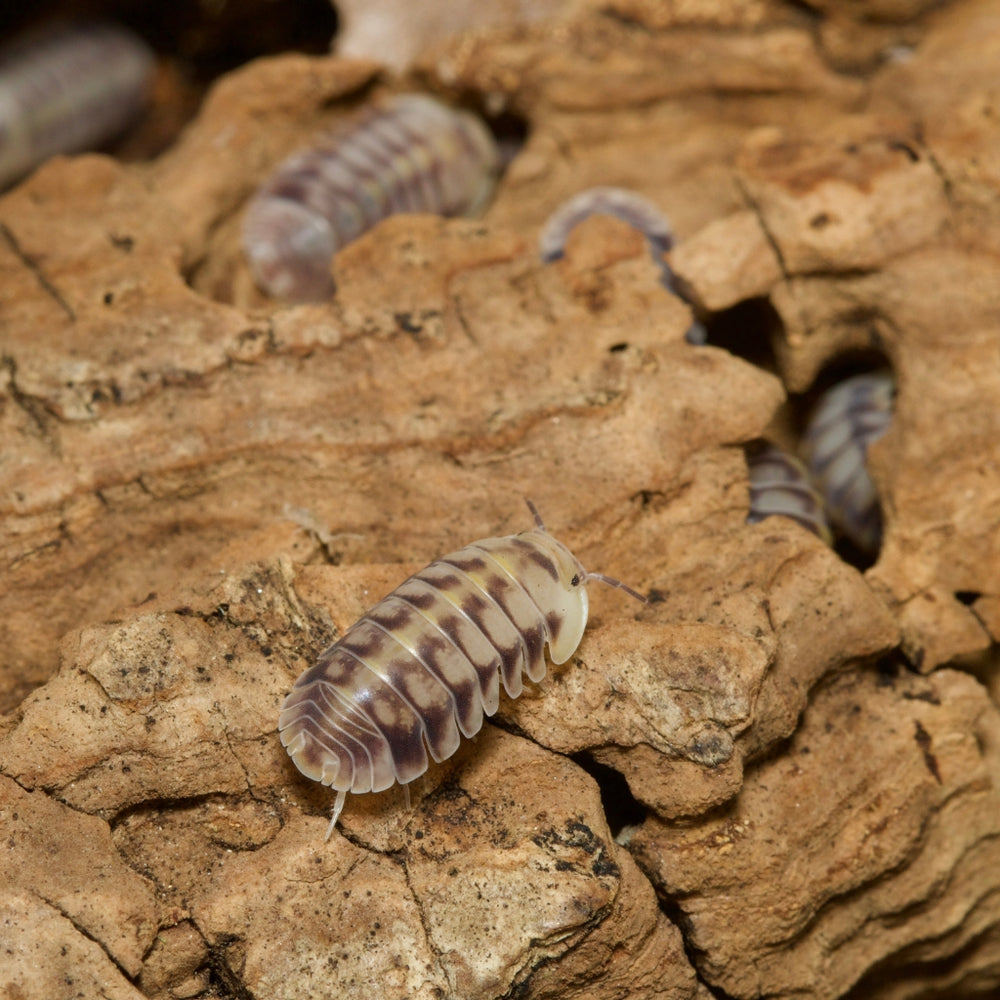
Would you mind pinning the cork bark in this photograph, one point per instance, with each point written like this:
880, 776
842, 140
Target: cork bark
779, 778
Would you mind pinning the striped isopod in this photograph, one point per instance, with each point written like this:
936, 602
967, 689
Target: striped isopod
425, 664
412, 154
780, 484
634, 210
847, 419
65, 89
631, 208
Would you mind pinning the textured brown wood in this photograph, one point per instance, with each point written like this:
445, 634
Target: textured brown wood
203, 488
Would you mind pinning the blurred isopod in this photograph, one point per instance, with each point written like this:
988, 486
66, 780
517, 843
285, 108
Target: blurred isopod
67, 88
412, 154
780, 484
847, 419
634, 210
422, 668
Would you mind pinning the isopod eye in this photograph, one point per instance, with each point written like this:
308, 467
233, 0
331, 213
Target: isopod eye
575, 582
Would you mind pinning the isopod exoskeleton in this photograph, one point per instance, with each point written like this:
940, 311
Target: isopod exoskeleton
634, 210
67, 88
847, 419
412, 154
423, 667
780, 484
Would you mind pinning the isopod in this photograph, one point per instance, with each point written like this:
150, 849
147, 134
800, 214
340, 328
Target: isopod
633, 209
412, 154
780, 484
847, 419
422, 668
67, 88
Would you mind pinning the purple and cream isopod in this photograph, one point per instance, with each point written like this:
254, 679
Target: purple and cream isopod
412, 154
634, 210
848, 418
423, 667
67, 88
780, 485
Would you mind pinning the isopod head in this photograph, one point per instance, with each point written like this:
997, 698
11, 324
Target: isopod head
567, 601
563, 597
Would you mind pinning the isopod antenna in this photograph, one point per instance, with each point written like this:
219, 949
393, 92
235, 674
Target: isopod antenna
612, 582
609, 580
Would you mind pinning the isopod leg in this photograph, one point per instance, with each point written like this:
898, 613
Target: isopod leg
338, 805
406, 796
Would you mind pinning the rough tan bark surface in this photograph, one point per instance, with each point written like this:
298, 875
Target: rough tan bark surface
203, 488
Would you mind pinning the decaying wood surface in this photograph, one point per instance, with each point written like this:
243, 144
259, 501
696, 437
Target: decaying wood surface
202, 488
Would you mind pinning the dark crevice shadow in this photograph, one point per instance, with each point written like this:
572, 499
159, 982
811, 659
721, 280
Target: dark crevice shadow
621, 808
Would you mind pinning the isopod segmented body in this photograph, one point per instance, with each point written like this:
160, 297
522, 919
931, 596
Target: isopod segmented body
423, 667
634, 210
412, 154
780, 484
67, 88
848, 418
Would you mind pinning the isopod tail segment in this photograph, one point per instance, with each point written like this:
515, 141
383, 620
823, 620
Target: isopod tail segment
338, 806
424, 667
